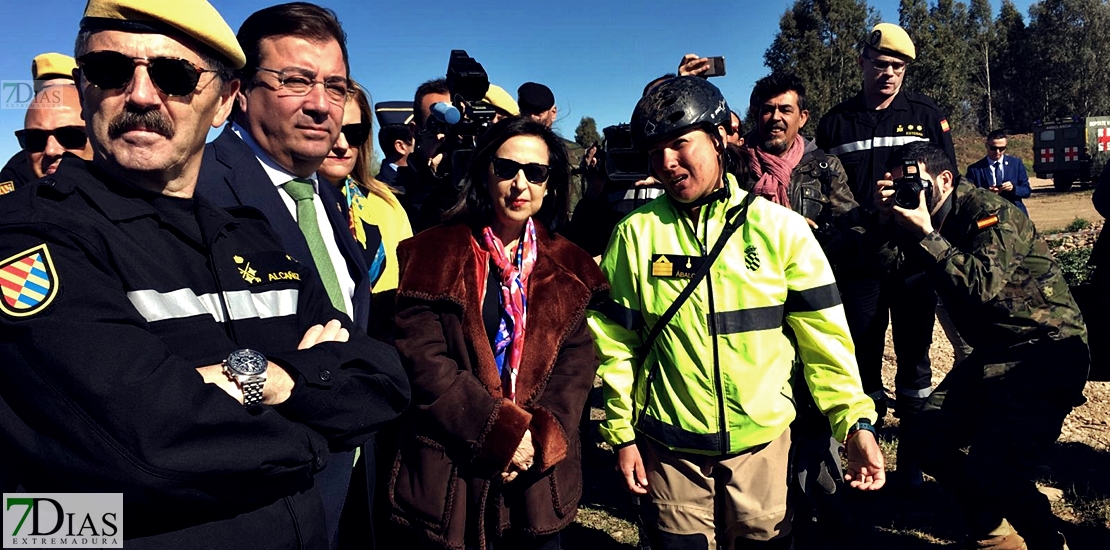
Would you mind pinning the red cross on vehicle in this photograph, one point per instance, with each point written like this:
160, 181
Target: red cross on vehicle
1048, 155
1071, 154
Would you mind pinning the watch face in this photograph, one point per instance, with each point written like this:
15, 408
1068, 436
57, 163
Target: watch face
246, 361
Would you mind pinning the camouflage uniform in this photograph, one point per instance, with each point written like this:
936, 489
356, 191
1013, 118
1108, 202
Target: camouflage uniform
1008, 400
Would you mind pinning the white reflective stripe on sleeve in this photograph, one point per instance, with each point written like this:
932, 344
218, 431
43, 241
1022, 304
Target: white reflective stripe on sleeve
862, 145
242, 304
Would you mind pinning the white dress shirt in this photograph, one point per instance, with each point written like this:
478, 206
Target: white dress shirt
279, 177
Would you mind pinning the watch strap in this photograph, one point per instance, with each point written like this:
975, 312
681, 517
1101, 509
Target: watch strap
252, 392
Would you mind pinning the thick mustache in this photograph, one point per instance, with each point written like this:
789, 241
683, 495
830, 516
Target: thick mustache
152, 121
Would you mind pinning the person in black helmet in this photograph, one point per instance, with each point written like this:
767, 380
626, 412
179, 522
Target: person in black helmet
698, 403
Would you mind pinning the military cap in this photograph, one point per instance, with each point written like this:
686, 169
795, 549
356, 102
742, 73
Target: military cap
52, 65
498, 97
393, 112
196, 19
891, 39
534, 97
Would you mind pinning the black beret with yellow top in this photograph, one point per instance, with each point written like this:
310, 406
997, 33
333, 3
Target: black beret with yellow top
196, 19
891, 39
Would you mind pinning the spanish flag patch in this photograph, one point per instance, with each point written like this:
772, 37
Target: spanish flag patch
944, 125
987, 222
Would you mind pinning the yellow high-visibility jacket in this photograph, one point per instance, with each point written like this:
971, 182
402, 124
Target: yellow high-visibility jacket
725, 360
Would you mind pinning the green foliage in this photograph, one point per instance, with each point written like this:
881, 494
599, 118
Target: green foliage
819, 41
1078, 224
586, 133
1073, 263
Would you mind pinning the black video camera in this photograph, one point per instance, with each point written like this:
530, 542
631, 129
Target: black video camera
468, 83
623, 164
908, 188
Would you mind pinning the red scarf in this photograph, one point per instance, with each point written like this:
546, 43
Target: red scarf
772, 170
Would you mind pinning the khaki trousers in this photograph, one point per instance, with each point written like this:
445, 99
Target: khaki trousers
734, 496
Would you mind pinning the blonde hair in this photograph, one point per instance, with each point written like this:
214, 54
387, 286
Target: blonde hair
361, 173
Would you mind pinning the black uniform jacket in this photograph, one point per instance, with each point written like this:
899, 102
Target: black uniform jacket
864, 139
230, 175
111, 299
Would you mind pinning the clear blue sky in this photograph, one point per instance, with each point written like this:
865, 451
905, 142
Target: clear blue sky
596, 55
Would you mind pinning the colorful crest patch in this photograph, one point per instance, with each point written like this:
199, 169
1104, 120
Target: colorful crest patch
28, 281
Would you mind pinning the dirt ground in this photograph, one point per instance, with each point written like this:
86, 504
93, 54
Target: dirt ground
1051, 209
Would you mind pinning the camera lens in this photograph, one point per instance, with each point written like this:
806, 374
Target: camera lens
907, 196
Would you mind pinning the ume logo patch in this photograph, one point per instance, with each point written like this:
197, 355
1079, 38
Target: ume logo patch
63, 520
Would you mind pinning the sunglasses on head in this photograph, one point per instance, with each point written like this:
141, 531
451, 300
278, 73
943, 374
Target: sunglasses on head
999, 149
356, 134
110, 70
69, 137
508, 169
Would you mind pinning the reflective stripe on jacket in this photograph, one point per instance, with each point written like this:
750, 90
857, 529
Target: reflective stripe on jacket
726, 354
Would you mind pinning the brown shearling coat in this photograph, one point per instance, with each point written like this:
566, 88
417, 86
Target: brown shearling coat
460, 433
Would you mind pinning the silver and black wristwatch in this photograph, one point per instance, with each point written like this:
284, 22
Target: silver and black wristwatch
247, 368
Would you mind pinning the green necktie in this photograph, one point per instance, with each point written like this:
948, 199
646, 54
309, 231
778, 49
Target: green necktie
302, 191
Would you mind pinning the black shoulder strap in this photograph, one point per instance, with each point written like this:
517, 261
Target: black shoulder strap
737, 220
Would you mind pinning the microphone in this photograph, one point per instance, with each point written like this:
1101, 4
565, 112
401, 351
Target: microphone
446, 113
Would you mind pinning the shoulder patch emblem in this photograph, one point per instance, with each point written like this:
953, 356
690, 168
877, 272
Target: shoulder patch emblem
29, 282
7, 187
987, 222
944, 125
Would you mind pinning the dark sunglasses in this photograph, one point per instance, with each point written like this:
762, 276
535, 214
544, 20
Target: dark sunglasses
110, 70
882, 66
508, 169
999, 149
356, 134
69, 137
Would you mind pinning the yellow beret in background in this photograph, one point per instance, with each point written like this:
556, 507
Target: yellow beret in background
498, 97
52, 65
891, 39
194, 18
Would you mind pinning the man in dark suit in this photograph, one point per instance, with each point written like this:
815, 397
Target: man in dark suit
287, 117
1001, 173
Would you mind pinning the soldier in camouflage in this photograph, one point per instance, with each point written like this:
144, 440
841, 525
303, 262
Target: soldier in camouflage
1007, 402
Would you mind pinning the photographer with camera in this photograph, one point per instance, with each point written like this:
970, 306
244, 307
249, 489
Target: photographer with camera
1006, 403
451, 114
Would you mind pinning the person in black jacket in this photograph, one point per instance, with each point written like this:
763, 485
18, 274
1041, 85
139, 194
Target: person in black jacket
863, 132
155, 345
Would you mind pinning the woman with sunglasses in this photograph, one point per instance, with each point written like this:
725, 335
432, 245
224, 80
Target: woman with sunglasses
371, 201
491, 328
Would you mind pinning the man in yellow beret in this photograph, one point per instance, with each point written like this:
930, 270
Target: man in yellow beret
176, 353
53, 127
47, 69
863, 132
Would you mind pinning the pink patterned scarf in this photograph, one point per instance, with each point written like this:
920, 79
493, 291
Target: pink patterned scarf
509, 342
772, 170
